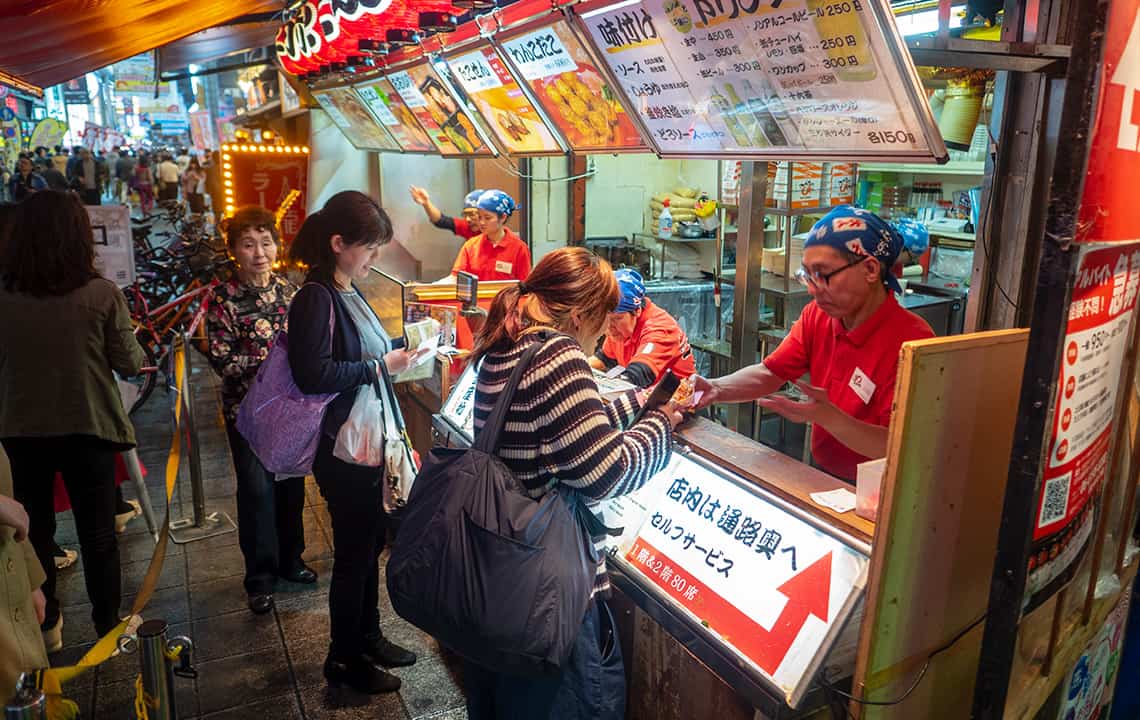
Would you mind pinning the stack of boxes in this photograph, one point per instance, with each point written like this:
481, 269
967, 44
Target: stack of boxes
813, 185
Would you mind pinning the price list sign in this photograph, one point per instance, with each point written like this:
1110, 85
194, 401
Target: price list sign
502, 103
1096, 338
391, 111
348, 113
796, 78
629, 43
773, 588
577, 98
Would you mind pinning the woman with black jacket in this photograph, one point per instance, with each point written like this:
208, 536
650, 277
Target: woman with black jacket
336, 344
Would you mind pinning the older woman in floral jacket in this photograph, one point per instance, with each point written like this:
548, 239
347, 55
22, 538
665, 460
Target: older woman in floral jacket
245, 315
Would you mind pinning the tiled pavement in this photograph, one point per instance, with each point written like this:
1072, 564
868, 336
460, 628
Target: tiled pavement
259, 667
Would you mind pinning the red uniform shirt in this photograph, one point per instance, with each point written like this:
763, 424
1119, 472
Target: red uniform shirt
857, 369
657, 341
510, 260
462, 228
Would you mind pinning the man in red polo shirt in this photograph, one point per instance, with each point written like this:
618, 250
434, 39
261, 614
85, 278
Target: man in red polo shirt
848, 340
497, 253
642, 337
465, 227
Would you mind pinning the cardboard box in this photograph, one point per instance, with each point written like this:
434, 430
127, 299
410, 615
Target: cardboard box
806, 180
839, 184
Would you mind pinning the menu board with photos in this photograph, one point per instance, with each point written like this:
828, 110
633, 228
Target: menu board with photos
354, 120
797, 78
451, 128
502, 103
393, 114
566, 82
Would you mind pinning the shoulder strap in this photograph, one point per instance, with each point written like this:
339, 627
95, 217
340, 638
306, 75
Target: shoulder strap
488, 440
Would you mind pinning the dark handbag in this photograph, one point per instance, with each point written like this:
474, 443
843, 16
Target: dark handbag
500, 578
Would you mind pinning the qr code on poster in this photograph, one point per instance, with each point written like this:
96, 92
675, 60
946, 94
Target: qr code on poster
1056, 501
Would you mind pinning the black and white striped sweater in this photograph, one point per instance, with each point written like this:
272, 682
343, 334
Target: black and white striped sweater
559, 430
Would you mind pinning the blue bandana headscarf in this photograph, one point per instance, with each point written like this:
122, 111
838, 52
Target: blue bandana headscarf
632, 288
850, 229
472, 199
496, 201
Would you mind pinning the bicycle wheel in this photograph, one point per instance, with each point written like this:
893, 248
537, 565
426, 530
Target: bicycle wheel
144, 382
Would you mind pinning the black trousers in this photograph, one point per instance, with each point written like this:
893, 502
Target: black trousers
353, 494
92, 196
271, 529
88, 468
168, 192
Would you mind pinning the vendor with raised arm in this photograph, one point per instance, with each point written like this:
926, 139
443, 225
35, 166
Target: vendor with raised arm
642, 337
497, 253
848, 339
465, 227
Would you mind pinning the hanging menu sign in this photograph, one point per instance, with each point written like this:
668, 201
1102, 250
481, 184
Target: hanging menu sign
354, 120
771, 586
502, 103
575, 95
391, 111
795, 78
451, 129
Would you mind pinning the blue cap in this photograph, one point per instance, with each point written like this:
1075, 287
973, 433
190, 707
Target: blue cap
850, 229
472, 199
632, 288
496, 201
916, 238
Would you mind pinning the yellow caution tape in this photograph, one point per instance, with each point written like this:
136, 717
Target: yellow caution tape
52, 679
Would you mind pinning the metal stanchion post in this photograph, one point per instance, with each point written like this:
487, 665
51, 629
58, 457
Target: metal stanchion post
158, 671
203, 524
29, 702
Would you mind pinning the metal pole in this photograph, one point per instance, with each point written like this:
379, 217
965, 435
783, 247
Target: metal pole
746, 290
29, 702
157, 673
195, 455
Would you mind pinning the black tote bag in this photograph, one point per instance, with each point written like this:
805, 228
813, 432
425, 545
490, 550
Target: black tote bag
496, 576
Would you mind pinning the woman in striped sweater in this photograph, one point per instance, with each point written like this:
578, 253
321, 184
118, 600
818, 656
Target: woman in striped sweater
558, 430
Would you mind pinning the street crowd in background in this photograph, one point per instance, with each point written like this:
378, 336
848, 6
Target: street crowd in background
138, 178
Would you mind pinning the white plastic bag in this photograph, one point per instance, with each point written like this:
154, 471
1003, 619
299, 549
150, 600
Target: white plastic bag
360, 440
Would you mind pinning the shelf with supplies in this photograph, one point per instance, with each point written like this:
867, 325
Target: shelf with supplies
955, 167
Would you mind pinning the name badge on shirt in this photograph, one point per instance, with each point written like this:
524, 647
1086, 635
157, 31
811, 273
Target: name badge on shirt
863, 386
503, 267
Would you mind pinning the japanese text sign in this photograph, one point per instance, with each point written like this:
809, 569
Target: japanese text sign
266, 179
798, 77
392, 112
459, 410
114, 249
349, 114
573, 92
501, 102
439, 112
1096, 337
773, 587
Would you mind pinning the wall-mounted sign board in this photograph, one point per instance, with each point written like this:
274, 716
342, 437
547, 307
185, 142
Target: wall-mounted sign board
452, 130
565, 80
392, 112
518, 126
799, 78
348, 113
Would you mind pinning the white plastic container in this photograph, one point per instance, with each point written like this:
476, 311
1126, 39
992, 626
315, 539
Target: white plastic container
868, 483
665, 222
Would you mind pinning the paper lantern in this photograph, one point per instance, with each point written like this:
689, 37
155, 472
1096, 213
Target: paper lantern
299, 40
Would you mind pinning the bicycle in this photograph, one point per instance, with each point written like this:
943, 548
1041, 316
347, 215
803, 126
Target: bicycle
155, 328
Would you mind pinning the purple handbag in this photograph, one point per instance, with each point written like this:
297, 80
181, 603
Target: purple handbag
282, 424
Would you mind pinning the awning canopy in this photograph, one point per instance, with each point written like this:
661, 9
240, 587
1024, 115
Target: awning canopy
218, 42
53, 41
